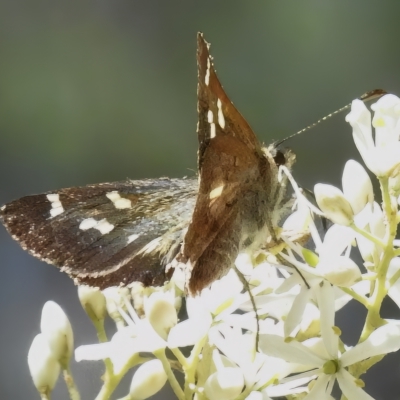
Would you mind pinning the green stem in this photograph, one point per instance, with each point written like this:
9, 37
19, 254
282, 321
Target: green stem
361, 299
180, 357
373, 319
160, 354
101, 335
111, 380
368, 235
69, 381
191, 368
45, 396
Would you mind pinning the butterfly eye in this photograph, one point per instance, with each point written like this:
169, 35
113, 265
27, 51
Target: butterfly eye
279, 158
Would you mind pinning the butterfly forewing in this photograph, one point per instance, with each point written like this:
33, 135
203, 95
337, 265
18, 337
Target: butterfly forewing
236, 179
109, 233
216, 113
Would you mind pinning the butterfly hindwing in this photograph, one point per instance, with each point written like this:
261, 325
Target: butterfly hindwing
106, 234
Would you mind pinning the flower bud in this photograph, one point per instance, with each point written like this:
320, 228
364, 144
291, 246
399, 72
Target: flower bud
339, 270
92, 301
357, 186
57, 330
225, 384
333, 203
115, 298
149, 379
161, 313
43, 366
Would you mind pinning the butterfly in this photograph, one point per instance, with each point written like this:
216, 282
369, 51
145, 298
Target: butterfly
118, 233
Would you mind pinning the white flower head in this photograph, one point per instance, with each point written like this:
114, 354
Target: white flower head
324, 362
127, 342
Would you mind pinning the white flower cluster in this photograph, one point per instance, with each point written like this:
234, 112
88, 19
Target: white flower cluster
291, 346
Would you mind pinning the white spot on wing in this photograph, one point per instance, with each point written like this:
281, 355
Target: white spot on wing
103, 226
119, 202
122, 203
221, 119
132, 238
207, 77
53, 197
56, 211
56, 206
87, 224
210, 116
212, 131
216, 192
113, 196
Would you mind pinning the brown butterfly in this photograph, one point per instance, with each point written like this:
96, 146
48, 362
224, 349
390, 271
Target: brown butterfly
138, 231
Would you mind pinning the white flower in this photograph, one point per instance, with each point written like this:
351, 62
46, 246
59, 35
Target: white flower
149, 379
382, 154
43, 366
215, 303
93, 301
325, 363
57, 330
296, 292
138, 336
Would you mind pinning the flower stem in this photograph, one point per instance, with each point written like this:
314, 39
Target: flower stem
111, 380
160, 354
69, 381
373, 319
191, 367
368, 235
361, 299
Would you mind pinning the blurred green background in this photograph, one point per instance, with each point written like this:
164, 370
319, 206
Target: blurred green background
95, 91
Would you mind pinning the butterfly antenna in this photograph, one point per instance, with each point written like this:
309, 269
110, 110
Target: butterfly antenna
373, 94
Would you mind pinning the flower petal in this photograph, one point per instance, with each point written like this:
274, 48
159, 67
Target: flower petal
385, 339
332, 202
357, 186
326, 303
295, 314
349, 388
318, 391
293, 351
189, 332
